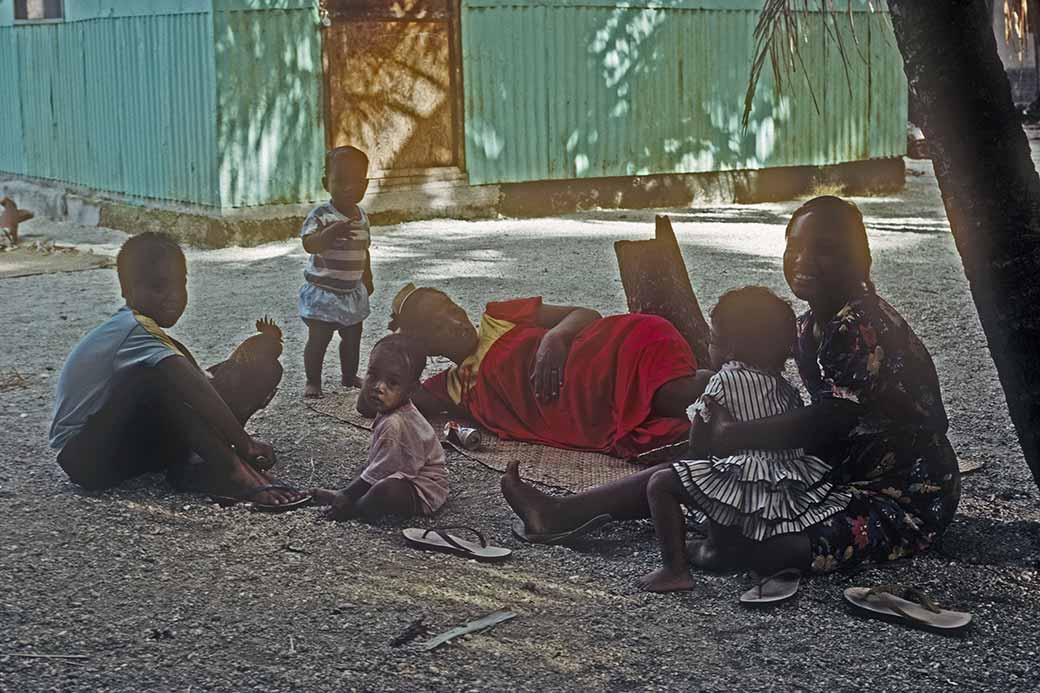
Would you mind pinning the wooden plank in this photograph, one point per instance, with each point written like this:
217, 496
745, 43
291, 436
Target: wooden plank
417, 10
656, 283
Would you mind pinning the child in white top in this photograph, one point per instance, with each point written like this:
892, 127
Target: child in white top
338, 276
405, 474
753, 495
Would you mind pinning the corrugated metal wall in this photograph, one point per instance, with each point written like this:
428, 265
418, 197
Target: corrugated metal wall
270, 131
557, 90
124, 105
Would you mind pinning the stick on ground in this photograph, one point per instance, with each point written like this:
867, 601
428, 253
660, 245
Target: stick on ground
492, 619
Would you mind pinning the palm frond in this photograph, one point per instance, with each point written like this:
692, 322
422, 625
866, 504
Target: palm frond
778, 38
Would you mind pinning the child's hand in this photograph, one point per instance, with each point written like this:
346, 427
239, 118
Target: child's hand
717, 428
342, 508
367, 281
700, 438
337, 230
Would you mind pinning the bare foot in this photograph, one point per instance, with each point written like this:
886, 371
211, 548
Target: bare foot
352, 382
705, 555
312, 391
530, 504
323, 496
665, 579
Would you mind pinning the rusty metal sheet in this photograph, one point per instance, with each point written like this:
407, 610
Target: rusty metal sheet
391, 92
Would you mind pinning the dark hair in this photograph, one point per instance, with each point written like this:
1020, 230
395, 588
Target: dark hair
140, 254
397, 319
846, 218
408, 349
756, 325
355, 156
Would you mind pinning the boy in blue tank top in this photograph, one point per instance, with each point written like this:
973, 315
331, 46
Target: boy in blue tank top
131, 399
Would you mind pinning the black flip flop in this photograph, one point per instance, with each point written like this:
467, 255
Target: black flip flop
438, 539
225, 501
557, 538
774, 588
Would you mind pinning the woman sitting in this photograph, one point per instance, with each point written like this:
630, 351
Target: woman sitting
876, 416
555, 375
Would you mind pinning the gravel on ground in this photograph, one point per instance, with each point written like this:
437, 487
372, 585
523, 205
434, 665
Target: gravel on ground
164, 591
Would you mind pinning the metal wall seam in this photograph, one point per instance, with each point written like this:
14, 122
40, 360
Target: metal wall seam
585, 90
103, 105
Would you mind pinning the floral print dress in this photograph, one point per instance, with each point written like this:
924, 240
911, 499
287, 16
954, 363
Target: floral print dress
896, 462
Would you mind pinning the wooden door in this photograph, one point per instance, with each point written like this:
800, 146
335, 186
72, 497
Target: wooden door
392, 77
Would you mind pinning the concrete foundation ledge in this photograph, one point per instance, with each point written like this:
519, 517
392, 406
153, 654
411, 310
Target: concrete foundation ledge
390, 202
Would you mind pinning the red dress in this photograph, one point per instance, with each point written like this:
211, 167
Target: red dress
614, 367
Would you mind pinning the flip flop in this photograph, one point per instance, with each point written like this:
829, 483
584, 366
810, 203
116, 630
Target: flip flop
890, 602
438, 539
225, 501
555, 538
774, 588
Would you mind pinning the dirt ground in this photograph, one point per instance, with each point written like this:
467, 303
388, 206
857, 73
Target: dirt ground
165, 591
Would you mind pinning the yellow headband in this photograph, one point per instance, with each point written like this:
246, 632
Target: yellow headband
397, 305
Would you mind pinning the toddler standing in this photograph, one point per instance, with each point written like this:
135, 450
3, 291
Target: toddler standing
334, 297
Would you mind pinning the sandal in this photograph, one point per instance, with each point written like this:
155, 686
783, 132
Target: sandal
554, 538
438, 539
893, 601
245, 497
774, 588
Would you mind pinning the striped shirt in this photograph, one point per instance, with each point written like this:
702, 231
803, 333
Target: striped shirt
339, 268
749, 394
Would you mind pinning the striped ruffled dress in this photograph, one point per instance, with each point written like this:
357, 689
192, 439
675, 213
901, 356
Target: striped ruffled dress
763, 493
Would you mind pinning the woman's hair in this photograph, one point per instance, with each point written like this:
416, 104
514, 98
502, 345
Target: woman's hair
397, 319
845, 218
408, 349
755, 325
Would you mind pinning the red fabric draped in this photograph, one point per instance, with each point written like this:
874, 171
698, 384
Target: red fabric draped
614, 367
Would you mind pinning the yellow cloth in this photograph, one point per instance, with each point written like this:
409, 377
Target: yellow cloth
464, 376
153, 329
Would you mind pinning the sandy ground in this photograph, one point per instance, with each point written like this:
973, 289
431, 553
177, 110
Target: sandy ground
161, 591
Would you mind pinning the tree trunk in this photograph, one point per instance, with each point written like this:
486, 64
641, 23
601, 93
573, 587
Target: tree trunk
989, 186
656, 282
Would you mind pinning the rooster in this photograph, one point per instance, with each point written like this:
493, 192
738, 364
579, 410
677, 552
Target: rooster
248, 379
11, 218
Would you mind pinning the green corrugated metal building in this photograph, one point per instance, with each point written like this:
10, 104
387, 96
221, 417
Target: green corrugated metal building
222, 104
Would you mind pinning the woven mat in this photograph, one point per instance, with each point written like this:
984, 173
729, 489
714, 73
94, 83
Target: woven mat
562, 469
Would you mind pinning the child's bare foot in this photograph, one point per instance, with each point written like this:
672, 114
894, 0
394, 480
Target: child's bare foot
531, 505
352, 381
323, 496
665, 579
312, 391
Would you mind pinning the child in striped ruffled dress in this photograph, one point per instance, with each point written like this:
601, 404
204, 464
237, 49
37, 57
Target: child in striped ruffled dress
334, 297
752, 495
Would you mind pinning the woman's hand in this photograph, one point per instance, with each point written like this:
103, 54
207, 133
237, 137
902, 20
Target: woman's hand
547, 376
716, 439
